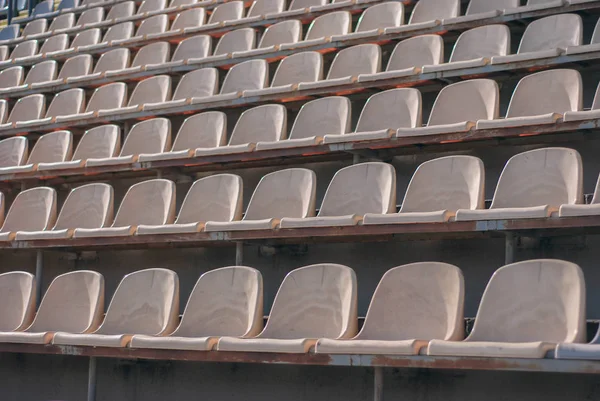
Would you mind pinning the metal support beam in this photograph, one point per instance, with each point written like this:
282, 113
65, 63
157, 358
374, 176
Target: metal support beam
91, 392
378, 384
10, 12
239, 253
39, 271
509, 248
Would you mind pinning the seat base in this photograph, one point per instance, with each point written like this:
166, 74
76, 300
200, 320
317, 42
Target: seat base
289, 143
26, 337
534, 212
513, 122
292, 346
104, 232
264, 224
41, 235
370, 347
320, 221
92, 340
463, 126
182, 343
579, 210
489, 349
169, 229
440, 216
578, 351
359, 136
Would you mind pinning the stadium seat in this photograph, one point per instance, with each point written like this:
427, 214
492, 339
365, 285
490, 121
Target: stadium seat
313, 302
375, 19
120, 11
322, 28
41, 73
35, 27
145, 302
458, 107
62, 22
437, 190
154, 25
261, 8
107, 97
13, 152
536, 5
27, 108
10, 78
193, 85
591, 209
483, 9
541, 98
89, 17
593, 113
283, 32
156, 89
527, 308
17, 301
150, 6
113, 60
239, 40
215, 198
9, 32
230, 11
76, 66
180, 4
52, 147
427, 14
188, 19
196, 47
579, 351
411, 305
154, 53
284, 193
52, 45
224, 302
22, 50
85, 38
115, 33
32, 210
65, 103
534, 184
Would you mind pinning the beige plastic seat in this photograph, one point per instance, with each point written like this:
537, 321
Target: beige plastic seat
299, 7
189, 19
535, 5
483, 9
74, 302
215, 198
52, 147
409, 56
145, 302
239, 40
204, 130
121, 11
353, 192
154, 53
17, 301
86, 38
262, 123
196, 47
32, 210
230, 11
13, 152
573, 210
54, 44
224, 302
348, 65
534, 184
593, 113
76, 66
62, 22
150, 26
323, 28
11, 77
458, 107
527, 308
284, 193
65, 103
317, 118
149, 136
114, 60
383, 113
475, 48
196, 84
107, 97
149, 202
546, 37
429, 13
295, 69
35, 27
541, 98
179, 4
313, 302
151, 90
88, 206
27, 108
90, 16
41, 73
261, 8
437, 190
96, 143
594, 44
24, 49
412, 305
284, 32
375, 19
119, 32
149, 6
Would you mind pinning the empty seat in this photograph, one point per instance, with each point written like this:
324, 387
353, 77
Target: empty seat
74, 302
224, 302
317, 118
284, 193
411, 305
178, 4
32, 210
196, 47
429, 13
154, 53
283, 32
193, 85
35, 27
76, 66
13, 152
114, 60
66, 5
91, 16
437, 190
409, 56
24, 49
86, 38
375, 19
573, 210
149, 6
121, 11
151, 90
9, 32
298, 7
383, 113
322, 28
215, 198
594, 44
62, 22
27, 108
579, 351
119, 32
260, 8
17, 297
534, 184
43, 7
41, 73
239, 40
11, 77
526, 309
475, 48
150, 136
546, 37
262, 123
535, 5
145, 302
65, 103
153, 25
188, 19
54, 44
107, 97
458, 107
313, 302
482, 9
353, 192
230, 11
52, 147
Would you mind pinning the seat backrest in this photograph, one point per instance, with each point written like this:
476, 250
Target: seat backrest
198, 83
289, 31
360, 189
555, 31
99, 142
113, 60
145, 302
154, 24
224, 302
32, 210
483, 6
264, 7
547, 176
417, 52
204, 130
473, 100
155, 89
236, 41
305, 4
73, 303
35, 27
195, 47
251, 74
9, 32
216, 198
120, 31
327, 25
25, 49
317, 301
67, 4
391, 109
484, 41
91, 16
552, 91
447, 183
265, 123
28, 108
13, 151
17, 300
189, 19
355, 60
179, 3
68, 102
149, 136
284, 193
64, 21
534, 300
11, 77
384, 15
148, 202
230, 11
44, 7
87, 38
52, 147
55, 43
87, 206
328, 115
151, 5
76, 66
154, 53
430, 10
42, 72
121, 10
422, 301
108, 97
299, 67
